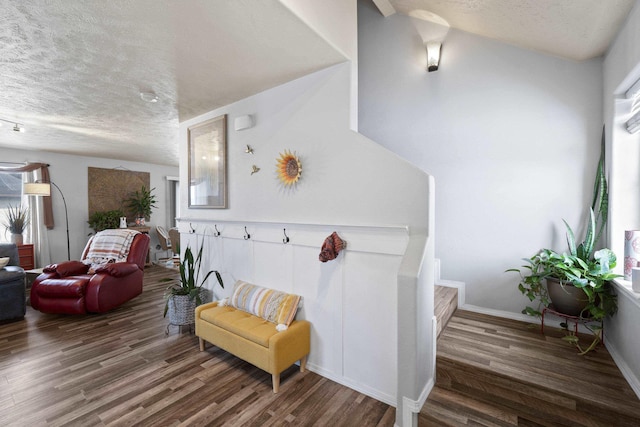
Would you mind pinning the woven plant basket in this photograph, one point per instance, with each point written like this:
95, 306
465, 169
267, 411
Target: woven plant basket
182, 309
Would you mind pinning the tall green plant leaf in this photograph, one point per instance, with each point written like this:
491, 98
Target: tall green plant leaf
588, 239
600, 202
571, 239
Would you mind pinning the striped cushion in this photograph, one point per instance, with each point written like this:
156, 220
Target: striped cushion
272, 306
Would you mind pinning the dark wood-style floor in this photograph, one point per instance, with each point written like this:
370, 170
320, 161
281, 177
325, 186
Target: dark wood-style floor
499, 372
120, 368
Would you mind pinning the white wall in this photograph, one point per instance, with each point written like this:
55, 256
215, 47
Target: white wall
621, 69
336, 22
70, 173
347, 182
349, 301
310, 116
511, 136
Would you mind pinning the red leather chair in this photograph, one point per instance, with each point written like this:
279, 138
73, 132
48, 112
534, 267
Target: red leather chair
67, 288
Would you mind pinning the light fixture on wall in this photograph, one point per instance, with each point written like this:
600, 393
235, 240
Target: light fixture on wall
243, 122
433, 55
432, 29
44, 189
17, 127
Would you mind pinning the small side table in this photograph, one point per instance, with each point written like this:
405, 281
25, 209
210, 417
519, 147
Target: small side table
30, 277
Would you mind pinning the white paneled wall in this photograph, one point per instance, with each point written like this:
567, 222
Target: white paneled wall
351, 301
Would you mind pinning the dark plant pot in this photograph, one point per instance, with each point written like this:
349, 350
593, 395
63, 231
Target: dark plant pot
566, 298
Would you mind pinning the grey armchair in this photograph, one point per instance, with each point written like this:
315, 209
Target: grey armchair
12, 287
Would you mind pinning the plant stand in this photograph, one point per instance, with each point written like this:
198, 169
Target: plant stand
568, 318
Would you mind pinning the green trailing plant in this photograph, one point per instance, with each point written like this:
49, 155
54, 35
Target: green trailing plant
583, 267
189, 283
16, 219
104, 220
593, 276
141, 202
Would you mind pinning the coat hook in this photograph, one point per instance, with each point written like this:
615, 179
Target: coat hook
191, 229
286, 238
217, 233
247, 236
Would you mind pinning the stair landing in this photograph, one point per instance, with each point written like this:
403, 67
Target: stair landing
445, 304
492, 371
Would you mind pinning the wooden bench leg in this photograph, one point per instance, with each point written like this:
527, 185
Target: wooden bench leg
201, 341
303, 363
275, 378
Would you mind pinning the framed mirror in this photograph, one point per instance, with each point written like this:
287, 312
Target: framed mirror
208, 164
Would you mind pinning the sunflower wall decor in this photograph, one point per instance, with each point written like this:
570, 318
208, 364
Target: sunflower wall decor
289, 168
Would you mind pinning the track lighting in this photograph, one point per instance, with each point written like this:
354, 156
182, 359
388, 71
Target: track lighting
17, 127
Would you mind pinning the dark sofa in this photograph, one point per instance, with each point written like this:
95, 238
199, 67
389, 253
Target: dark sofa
12, 286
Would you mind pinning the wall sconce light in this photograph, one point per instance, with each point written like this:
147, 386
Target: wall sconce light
243, 122
433, 55
432, 29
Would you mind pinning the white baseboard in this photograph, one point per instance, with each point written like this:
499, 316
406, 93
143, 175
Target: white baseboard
631, 377
499, 313
552, 321
411, 407
371, 392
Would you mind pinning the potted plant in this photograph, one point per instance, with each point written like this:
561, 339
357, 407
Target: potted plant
103, 220
16, 221
141, 202
578, 283
182, 298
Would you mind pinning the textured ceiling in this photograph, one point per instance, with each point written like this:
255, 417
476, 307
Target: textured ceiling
72, 71
573, 29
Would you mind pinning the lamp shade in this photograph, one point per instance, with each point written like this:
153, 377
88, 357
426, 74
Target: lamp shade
36, 189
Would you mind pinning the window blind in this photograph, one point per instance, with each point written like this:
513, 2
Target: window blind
633, 124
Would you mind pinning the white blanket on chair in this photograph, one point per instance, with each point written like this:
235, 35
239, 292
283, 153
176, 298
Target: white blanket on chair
109, 246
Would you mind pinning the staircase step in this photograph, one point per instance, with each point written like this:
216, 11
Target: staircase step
445, 304
495, 371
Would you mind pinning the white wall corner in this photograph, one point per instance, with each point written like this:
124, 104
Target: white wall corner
439, 281
412, 407
385, 7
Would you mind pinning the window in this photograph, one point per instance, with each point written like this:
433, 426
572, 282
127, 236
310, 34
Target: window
10, 195
633, 124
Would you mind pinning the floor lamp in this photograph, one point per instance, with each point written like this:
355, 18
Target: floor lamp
44, 189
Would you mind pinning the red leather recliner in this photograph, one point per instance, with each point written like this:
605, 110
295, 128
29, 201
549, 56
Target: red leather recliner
67, 288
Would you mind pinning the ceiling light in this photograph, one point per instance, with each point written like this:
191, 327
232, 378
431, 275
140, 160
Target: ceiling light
149, 96
17, 127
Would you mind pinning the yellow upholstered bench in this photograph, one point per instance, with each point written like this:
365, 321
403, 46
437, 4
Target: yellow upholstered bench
253, 338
